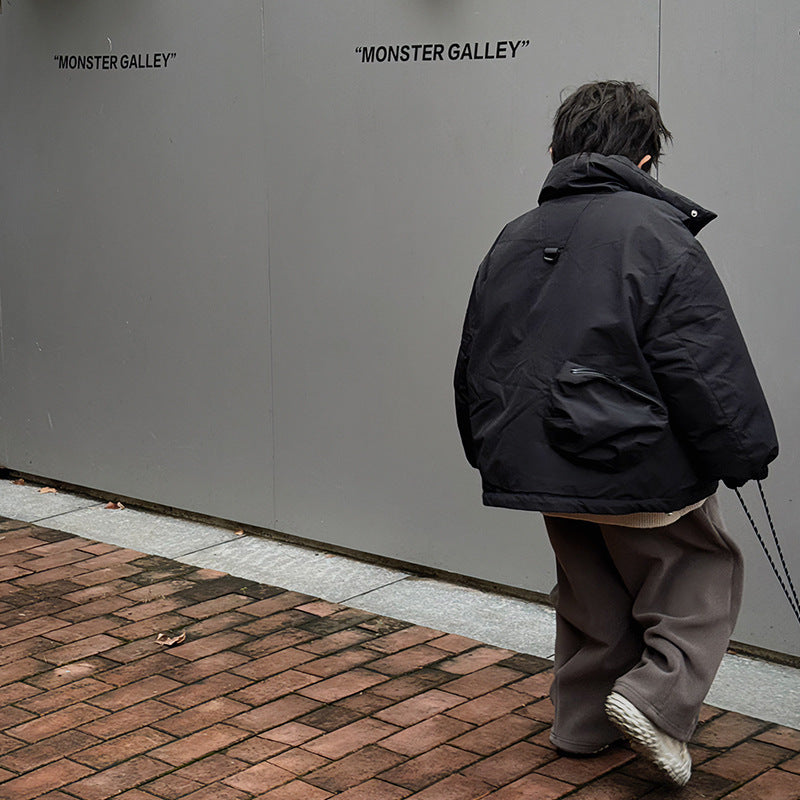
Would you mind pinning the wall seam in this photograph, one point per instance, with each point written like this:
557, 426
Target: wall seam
3, 378
268, 264
658, 68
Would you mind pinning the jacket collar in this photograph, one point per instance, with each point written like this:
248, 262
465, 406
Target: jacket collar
595, 173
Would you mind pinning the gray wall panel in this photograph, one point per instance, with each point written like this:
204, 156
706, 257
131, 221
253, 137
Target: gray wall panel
730, 90
135, 293
388, 182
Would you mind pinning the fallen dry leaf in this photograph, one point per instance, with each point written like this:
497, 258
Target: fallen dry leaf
19, 482
113, 505
169, 641
47, 490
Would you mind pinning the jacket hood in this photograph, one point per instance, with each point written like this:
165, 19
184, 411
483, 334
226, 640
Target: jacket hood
595, 173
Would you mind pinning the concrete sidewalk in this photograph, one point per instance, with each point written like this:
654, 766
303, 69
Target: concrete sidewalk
280, 695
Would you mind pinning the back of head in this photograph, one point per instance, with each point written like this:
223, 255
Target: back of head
612, 118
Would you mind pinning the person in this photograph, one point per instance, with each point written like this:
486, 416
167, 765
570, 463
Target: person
602, 379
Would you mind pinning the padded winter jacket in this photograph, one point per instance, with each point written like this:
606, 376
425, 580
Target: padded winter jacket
601, 369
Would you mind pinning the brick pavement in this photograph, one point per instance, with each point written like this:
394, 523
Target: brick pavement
275, 695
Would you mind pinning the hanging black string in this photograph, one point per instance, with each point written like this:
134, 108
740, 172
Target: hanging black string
778, 545
791, 597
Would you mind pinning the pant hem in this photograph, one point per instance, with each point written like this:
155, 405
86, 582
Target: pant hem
579, 748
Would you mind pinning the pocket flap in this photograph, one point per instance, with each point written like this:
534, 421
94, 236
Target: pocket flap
597, 419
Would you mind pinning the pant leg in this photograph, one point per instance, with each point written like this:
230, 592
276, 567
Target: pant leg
686, 584
597, 639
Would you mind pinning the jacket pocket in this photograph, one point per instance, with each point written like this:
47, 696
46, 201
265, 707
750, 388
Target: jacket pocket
597, 420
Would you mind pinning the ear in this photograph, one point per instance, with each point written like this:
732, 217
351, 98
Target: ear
644, 161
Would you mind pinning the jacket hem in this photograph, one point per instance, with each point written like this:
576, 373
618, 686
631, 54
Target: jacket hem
533, 501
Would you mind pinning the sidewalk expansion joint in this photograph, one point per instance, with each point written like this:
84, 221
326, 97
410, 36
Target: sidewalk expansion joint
63, 514
374, 589
211, 546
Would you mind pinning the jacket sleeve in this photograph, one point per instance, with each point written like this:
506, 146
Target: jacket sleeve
461, 386
700, 361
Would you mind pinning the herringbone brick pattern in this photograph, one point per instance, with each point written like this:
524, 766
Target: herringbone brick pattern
275, 695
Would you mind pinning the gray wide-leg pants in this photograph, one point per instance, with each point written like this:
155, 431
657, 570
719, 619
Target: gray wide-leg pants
646, 613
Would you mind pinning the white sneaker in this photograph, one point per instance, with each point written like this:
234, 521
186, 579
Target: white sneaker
670, 755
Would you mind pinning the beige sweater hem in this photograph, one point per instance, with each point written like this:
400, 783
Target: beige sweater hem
642, 519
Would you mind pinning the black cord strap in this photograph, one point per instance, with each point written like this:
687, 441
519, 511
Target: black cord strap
791, 597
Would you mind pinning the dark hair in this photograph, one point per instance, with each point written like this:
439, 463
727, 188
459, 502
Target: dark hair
611, 118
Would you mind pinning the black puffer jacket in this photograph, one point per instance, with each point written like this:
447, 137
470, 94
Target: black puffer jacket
601, 369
